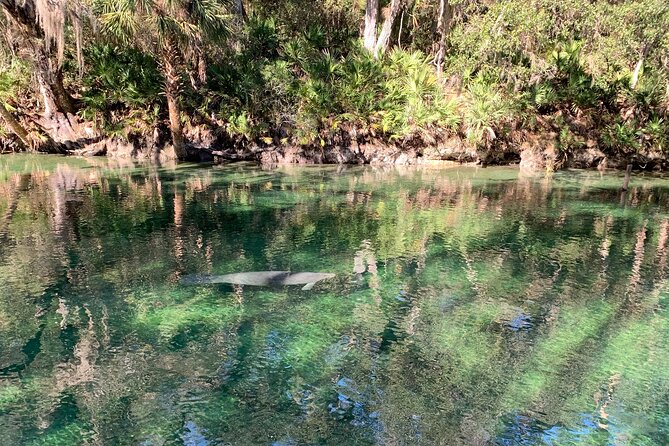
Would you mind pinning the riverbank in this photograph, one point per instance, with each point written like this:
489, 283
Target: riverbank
532, 151
482, 84
551, 139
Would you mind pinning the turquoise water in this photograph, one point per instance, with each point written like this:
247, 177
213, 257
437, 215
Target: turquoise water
469, 307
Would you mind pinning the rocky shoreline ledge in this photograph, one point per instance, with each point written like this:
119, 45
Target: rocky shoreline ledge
534, 153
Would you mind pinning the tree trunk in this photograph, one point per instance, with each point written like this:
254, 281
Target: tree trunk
64, 100
198, 75
176, 129
240, 9
172, 89
55, 96
399, 33
48, 96
49, 74
43, 143
443, 28
636, 73
371, 17
387, 28
626, 181
15, 126
202, 70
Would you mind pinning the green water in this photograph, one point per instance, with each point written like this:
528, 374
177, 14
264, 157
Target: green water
470, 306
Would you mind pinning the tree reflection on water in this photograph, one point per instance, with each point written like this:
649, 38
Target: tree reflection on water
470, 306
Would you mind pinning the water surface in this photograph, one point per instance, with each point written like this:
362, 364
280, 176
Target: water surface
470, 306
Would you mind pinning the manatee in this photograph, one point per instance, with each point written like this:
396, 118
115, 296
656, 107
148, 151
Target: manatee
261, 278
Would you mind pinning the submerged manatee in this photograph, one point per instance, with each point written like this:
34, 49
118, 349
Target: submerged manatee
261, 278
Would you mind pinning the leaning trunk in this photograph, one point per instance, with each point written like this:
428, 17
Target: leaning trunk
42, 143
172, 83
55, 96
15, 126
64, 100
49, 74
387, 28
48, 96
371, 16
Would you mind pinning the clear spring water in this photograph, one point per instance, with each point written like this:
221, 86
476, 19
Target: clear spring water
470, 306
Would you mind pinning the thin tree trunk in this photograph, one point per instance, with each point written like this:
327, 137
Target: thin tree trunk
399, 33
387, 28
240, 9
443, 28
371, 17
626, 181
198, 75
15, 126
636, 73
172, 81
202, 69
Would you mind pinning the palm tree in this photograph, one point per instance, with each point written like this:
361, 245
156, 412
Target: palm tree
171, 30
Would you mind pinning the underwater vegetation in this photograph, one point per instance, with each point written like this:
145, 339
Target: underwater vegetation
469, 306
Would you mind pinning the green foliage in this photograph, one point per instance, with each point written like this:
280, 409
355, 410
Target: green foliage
155, 27
514, 61
300, 90
296, 72
622, 135
486, 109
239, 125
121, 86
14, 79
122, 76
543, 95
414, 100
656, 133
571, 57
14, 82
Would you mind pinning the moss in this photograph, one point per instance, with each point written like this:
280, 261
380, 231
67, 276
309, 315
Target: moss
9, 395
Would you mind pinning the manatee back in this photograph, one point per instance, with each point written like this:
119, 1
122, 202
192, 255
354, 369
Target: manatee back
306, 278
